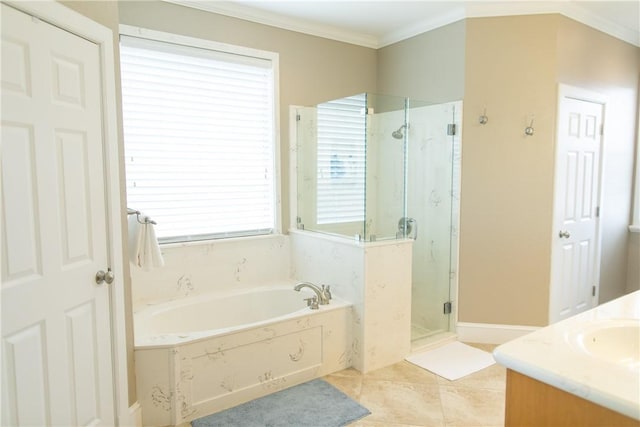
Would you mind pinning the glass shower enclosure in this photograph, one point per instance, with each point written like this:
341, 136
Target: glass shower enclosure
374, 167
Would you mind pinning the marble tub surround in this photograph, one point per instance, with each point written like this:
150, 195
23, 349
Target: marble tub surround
213, 266
199, 317
553, 356
375, 277
187, 380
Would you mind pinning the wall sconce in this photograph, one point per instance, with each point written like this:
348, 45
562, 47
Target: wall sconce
483, 119
529, 129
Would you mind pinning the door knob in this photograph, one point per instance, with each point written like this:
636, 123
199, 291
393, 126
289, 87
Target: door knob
108, 277
564, 234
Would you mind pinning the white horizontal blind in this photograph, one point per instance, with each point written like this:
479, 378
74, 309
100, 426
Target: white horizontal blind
199, 139
341, 160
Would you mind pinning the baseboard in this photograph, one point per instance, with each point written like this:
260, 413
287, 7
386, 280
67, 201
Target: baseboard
432, 342
487, 333
133, 417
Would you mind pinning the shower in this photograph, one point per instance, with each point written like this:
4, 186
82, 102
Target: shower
391, 189
397, 134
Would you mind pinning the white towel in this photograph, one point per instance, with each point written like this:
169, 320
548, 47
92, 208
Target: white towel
143, 245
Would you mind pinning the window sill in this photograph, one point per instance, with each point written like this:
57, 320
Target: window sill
228, 240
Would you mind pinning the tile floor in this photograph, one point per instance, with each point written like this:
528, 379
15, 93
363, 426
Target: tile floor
404, 395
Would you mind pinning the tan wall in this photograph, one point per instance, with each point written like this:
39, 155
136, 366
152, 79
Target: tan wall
633, 266
106, 13
513, 66
312, 69
593, 60
427, 67
103, 12
507, 177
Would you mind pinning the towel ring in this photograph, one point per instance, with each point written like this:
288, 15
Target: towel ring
144, 221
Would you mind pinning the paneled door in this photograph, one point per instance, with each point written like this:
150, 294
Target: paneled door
56, 334
575, 239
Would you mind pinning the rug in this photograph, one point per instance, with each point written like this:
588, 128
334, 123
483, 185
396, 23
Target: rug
312, 404
452, 361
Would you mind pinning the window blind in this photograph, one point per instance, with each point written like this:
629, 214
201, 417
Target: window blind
341, 160
199, 139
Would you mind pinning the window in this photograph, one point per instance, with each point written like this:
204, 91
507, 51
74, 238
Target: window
341, 160
199, 136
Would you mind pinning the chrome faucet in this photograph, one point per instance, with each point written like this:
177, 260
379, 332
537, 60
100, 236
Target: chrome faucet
323, 295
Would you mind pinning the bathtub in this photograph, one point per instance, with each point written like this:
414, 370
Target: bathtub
202, 354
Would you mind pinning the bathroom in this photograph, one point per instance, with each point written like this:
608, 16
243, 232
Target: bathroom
455, 63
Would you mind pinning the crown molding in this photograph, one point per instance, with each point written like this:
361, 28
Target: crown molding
577, 13
567, 8
418, 28
469, 9
246, 13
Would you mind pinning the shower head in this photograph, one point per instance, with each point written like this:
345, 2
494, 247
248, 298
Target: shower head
397, 134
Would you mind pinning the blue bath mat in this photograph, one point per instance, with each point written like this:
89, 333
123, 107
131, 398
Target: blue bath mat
313, 404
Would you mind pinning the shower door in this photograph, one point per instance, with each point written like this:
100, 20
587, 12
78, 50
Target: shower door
433, 159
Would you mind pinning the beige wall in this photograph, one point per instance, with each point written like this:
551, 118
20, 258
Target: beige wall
507, 177
103, 12
593, 60
427, 67
312, 69
633, 257
513, 66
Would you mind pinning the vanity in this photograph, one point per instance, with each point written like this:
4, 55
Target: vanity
582, 371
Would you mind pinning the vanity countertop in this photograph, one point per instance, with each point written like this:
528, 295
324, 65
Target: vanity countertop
556, 355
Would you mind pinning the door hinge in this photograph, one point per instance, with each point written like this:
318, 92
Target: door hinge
297, 117
447, 307
593, 291
597, 211
451, 129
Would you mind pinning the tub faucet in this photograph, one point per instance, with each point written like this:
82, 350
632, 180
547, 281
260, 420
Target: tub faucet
323, 295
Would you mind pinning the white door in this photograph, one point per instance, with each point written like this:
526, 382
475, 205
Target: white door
575, 244
56, 335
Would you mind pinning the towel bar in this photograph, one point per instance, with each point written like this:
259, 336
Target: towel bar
146, 220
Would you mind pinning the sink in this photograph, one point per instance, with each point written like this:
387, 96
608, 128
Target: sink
616, 341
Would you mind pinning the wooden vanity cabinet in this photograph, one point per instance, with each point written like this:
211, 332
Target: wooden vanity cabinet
531, 403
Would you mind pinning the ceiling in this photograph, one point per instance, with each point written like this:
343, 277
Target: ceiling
380, 23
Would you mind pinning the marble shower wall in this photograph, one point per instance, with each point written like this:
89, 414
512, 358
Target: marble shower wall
375, 277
